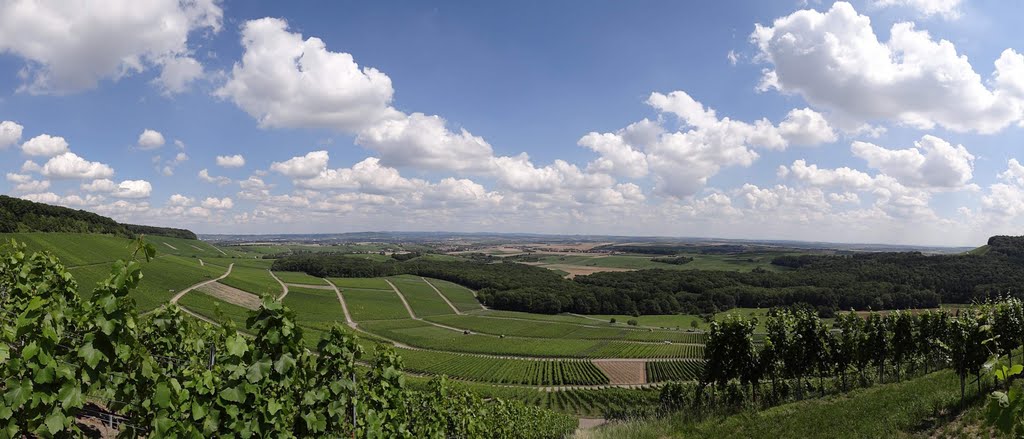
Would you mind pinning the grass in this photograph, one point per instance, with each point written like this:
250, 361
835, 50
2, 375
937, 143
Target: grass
369, 305
161, 279
423, 335
368, 283
458, 295
295, 277
254, 280
889, 410
76, 249
423, 300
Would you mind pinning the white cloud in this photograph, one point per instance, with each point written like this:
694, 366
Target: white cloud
424, 142
618, 155
948, 9
204, 175
70, 47
150, 139
30, 166
100, 185
310, 165
835, 60
931, 163
133, 189
1014, 173
180, 200
232, 161
178, 74
45, 145
806, 127
285, 81
10, 133
71, 166
218, 203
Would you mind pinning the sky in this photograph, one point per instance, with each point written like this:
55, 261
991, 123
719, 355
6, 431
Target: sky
881, 121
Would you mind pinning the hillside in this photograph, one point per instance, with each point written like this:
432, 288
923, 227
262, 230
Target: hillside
21, 216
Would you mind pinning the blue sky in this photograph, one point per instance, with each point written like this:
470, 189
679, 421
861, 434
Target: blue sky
872, 121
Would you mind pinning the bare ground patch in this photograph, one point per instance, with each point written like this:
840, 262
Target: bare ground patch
623, 372
231, 295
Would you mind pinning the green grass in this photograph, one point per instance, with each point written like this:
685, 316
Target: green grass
458, 295
76, 249
254, 280
423, 300
369, 305
295, 277
889, 410
558, 330
207, 306
423, 335
366, 283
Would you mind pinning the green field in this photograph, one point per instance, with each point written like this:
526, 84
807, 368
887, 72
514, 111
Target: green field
161, 278
555, 330
661, 371
294, 277
686, 321
503, 371
369, 305
729, 262
424, 335
458, 295
363, 283
423, 300
254, 280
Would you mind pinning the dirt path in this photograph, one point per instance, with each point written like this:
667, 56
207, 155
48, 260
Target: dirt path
171, 246
344, 307
218, 249
442, 296
232, 295
623, 372
401, 296
283, 285
205, 282
201, 263
197, 248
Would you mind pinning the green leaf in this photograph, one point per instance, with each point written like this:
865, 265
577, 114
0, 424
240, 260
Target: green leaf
55, 422
162, 395
236, 345
233, 394
70, 396
273, 406
284, 364
91, 355
198, 411
257, 371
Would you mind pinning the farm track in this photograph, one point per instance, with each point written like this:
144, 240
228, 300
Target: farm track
408, 308
203, 283
344, 307
171, 246
284, 286
442, 296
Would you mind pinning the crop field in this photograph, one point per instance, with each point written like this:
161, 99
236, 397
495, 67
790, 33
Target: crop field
314, 305
687, 321
423, 335
293, 277
254, 280
458, 295
363, 283
423, 300
370, 305
240, 262
75, 249
661, 371
566, 318
208, 306
504, 371
542, 329
161, 278
581, 264
582, 402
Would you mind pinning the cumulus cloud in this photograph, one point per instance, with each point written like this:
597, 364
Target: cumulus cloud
424, 141
45, 145
231, 161
10, 133
891, 197
284, 80
133, 189
71, 47
100, 185
204, 175
150, 139
931, 163
218, 203
70, 166
310, 165
835, 60
178, 74
180, 200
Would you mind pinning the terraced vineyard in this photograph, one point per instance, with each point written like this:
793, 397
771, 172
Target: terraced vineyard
208, 306
661, 371
369, 305
546, 329
458, 295
424, 335
364, 283
504, 371
254, 280
291, 277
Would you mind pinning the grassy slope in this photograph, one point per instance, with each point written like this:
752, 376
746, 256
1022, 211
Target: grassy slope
254, 280
295, 277
890, 410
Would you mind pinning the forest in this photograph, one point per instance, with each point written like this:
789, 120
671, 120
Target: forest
827, 283
20, 216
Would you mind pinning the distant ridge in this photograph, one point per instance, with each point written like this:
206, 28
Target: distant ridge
19, 216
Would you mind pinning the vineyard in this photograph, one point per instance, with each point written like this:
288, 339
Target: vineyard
66, 359
662, 371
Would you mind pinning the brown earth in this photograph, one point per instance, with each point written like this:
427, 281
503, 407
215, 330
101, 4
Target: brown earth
231, 295
623, 371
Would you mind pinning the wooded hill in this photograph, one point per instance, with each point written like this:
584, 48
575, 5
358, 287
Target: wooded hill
828, 283
21, 216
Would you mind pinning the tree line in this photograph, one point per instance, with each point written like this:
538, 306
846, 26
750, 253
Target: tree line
166, 375
825, 283
20, 216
